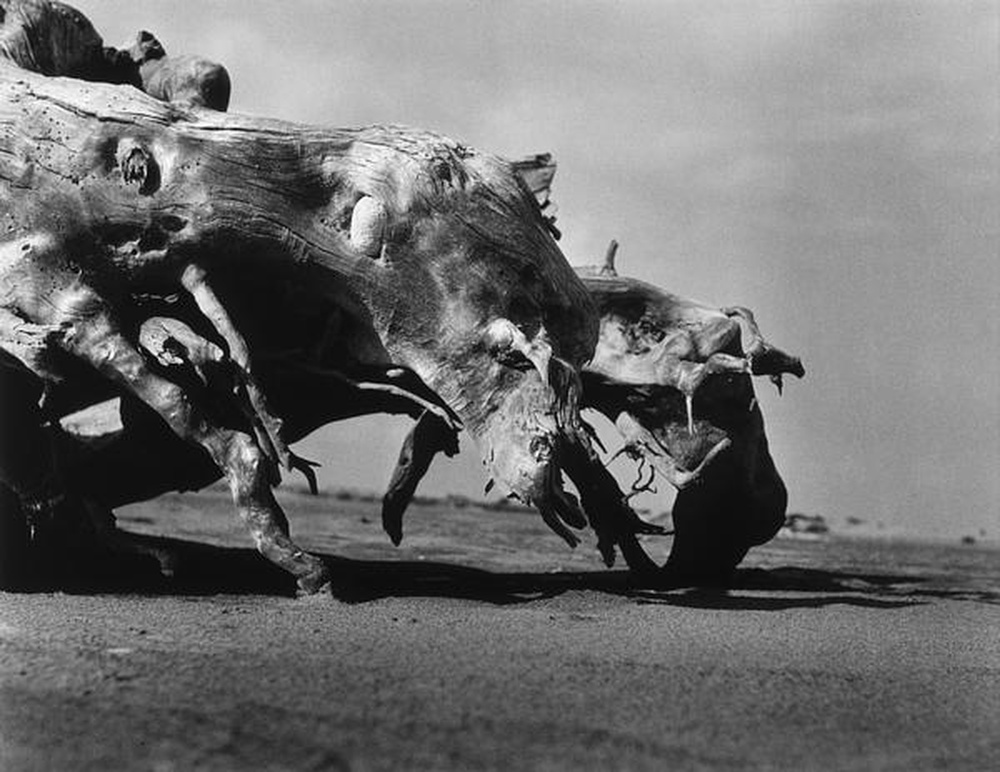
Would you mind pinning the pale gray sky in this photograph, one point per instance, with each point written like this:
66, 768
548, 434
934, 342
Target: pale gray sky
832, 165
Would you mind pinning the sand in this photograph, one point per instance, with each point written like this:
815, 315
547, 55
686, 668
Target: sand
485, 644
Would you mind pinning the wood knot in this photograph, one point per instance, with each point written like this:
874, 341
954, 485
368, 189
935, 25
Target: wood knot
138, 166
443, 171
368, 226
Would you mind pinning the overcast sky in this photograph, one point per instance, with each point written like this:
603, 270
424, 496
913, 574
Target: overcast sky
832, 165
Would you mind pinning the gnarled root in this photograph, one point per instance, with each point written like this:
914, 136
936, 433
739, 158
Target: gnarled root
266, 425
604, 502
429, 436
642, 444
95, 337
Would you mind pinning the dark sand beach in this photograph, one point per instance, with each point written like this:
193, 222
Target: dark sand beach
483, 643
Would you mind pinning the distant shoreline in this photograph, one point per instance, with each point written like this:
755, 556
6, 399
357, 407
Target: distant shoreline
859, 530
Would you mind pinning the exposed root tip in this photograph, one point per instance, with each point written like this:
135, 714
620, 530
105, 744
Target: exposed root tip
552, 521
607, 550
392, 519
641, 526
592, 434
305, 466
568, 509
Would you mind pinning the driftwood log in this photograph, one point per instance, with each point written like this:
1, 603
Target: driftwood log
673, 375
239, 282
385, 261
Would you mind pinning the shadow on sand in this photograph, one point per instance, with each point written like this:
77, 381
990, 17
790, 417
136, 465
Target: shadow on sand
203, 569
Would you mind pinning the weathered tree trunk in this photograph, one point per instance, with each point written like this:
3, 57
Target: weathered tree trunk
250, 280
138, 187
384, 260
